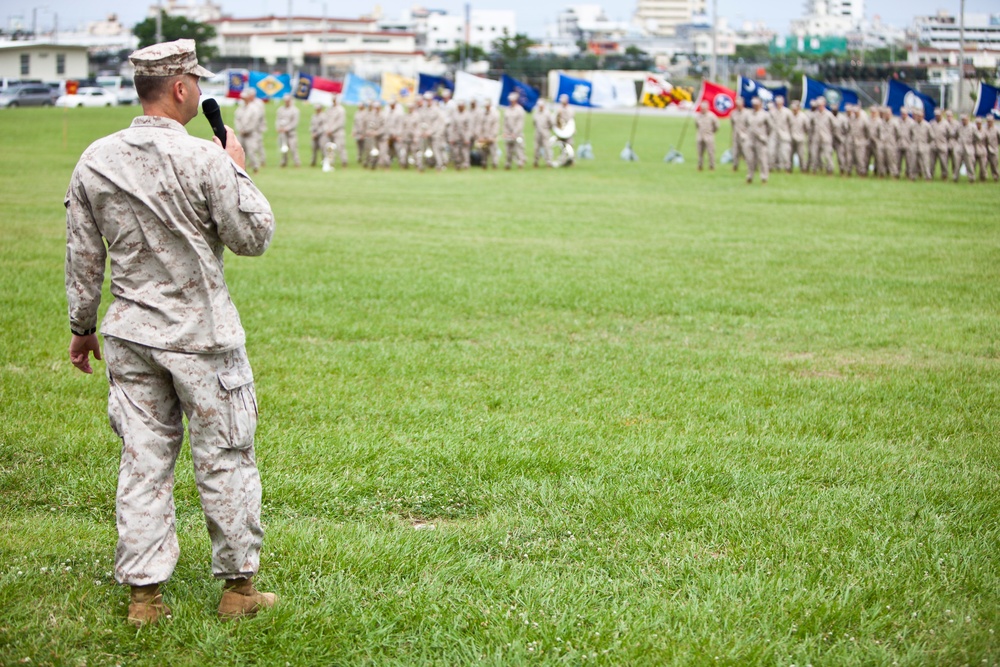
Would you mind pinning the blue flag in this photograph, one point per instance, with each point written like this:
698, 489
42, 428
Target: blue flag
270, 86
750, 89
836, 97
433, 85
529, 96
357, 90
899, 95
303, 86
578, 90
988, 101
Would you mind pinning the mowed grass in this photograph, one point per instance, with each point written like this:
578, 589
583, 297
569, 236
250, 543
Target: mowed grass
624, 413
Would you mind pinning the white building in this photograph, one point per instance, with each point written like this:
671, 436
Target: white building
587, 22
338, 45
829, 18
205, 12
446, 31
941, 31
42, 60
661, 17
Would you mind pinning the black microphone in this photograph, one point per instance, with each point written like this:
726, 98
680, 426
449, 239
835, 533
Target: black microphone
211, 110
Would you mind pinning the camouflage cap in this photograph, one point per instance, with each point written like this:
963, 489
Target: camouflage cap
168, 59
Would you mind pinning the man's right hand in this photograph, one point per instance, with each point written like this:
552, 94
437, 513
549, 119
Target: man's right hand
80, 348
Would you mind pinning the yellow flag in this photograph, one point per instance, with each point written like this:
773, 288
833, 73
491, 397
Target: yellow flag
399, 88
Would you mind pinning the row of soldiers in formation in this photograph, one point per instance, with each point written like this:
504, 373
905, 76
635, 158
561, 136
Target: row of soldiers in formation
876, 142
429, 132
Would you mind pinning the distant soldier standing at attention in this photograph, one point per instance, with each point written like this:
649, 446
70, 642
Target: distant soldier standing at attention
798, 129
939, 149
542, 120
782, 134
738, 119
336, 132
287, 123
164, 206
759, 130
513, 131
992, 132
317, 132
707, 125
981, 149
966, 154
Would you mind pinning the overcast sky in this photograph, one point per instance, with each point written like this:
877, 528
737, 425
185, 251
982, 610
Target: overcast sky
532, 15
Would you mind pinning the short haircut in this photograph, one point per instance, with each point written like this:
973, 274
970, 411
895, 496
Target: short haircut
151, 88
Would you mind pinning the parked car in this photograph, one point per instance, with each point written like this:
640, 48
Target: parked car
34, 95
120, 87
88, 97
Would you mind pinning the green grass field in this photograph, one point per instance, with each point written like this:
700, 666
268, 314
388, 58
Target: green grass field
621, 414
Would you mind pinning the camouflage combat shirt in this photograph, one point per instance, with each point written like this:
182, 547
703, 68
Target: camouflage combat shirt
166, 204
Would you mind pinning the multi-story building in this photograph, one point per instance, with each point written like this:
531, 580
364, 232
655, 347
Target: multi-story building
446, 32
204, 12
661, 17
328, 46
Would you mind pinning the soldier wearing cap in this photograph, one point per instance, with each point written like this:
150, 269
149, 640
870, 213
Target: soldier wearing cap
760, 125
738, 118
164, 205
335, 144
317, 132
287, 124
251, 127
940, 131
489, 129
543, 122
707, 125
966, 153
992, 139
798, 128
513, 131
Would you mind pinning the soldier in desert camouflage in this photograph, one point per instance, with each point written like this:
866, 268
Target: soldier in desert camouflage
163, 206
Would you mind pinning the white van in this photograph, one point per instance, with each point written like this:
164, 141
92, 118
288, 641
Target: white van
121, 87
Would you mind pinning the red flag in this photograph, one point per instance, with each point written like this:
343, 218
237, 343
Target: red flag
721, 100
326, 85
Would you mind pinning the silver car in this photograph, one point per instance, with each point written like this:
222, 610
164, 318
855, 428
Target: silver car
28, 95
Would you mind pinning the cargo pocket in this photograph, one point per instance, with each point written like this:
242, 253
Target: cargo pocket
237, 383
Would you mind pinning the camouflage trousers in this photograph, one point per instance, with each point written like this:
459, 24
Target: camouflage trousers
253, 147
757, 159
288, 144
150, 392
515, 152
706, 145
543, 151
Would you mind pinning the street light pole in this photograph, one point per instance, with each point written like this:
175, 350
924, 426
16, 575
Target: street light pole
288, 67
715, 39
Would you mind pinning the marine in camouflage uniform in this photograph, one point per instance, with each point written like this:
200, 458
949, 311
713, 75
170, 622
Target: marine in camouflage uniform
317, 132
759, 129
163, 206
543, 121
992, 139
513, 131
798, 127
738, 119
706, 125
940, 130
287, 124
966, 153
336, 132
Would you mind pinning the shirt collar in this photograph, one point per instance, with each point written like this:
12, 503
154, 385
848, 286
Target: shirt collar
158, 121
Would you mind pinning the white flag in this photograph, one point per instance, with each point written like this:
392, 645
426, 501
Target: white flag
469, 87
612, 91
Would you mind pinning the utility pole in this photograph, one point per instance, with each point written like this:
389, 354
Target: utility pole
159, 22
715, 39
288, 66
961, 54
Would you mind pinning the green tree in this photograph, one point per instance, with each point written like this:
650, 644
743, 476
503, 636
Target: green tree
472, 54
512, 47
178, 27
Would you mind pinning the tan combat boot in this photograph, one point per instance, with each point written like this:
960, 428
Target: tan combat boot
240, 599
146, 606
